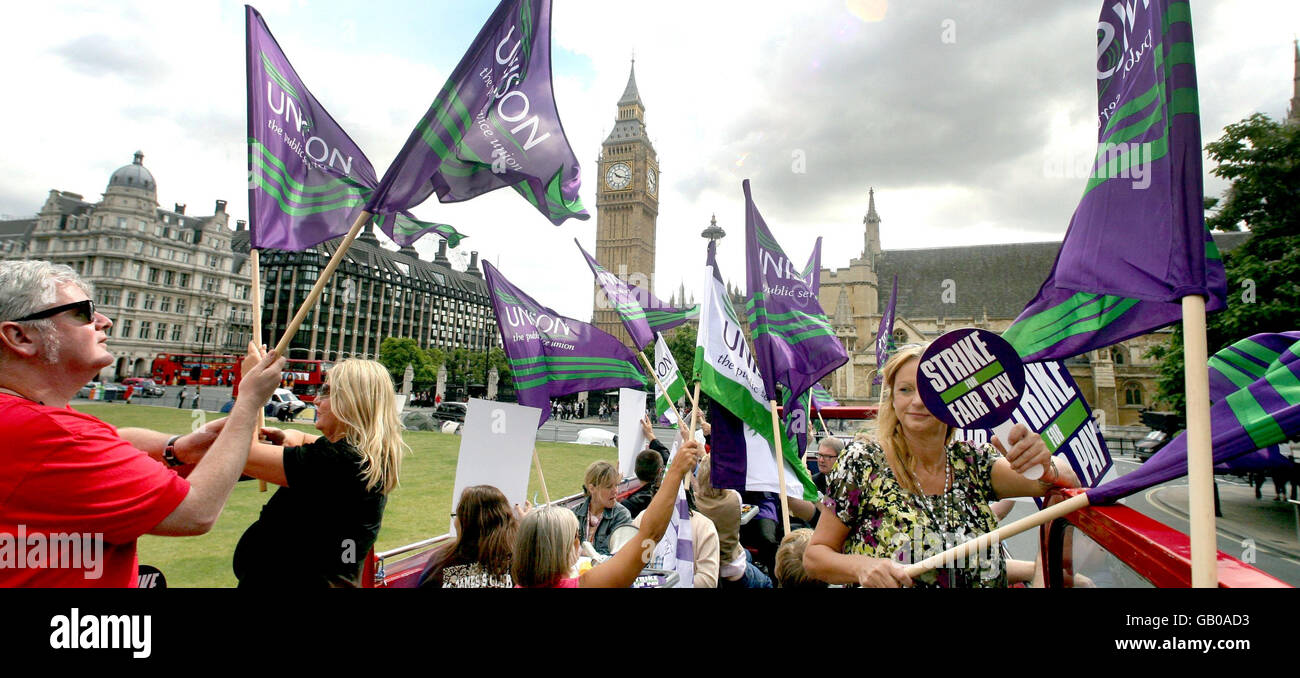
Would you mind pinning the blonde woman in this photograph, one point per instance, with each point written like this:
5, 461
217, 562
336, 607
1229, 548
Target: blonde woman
916, 491
547, 546
318, 527
600, 513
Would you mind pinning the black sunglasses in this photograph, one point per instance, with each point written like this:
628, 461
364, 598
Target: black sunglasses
85, 311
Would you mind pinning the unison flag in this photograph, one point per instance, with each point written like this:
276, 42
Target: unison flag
551, 355
670, 377
493, 124
885, 333
660, 316
1137, 242
623, 299
307, 180
793, 340
741, 418
1237, 366
822, 398
1263, 412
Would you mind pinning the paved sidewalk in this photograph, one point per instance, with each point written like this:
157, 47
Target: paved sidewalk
1268, 522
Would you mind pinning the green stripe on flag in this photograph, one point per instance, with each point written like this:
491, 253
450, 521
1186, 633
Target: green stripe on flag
1230, 372
1285, 383
1252, 417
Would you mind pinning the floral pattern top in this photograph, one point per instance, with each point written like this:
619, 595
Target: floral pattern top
886, 521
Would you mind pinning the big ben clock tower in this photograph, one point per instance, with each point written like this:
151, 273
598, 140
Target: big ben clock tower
627, 204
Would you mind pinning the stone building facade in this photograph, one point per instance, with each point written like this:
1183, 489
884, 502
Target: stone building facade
169, 281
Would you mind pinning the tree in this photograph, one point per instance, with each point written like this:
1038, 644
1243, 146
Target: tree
395, 353
1261, 158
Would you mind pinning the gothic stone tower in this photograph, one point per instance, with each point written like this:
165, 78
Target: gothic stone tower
627, 204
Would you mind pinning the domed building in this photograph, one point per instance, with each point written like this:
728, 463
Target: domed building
169, 281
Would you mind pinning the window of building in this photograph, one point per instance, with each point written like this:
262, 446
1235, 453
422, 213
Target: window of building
161, 334
180, 305
113, 268
1117, 356
169, 278
1133, 394
121, 222
149, 301
176, 333
130, 299
126, 328
145, 327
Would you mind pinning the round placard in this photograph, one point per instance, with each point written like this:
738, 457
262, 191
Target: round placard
970, 378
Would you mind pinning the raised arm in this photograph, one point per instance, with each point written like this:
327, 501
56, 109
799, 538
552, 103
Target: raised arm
1028, 449
622, 569
215, 474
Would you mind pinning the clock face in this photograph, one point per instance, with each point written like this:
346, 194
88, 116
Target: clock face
650, 181
618, 176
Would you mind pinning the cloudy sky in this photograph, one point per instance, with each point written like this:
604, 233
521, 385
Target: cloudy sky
969, 118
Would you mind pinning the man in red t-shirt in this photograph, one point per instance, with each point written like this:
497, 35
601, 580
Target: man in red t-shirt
75, 493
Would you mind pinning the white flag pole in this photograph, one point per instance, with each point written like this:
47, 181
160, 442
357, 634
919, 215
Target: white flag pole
1200, 456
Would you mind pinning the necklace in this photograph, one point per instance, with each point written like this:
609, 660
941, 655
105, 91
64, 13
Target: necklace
944, 526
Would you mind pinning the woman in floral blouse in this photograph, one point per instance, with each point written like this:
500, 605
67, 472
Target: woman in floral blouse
916, 492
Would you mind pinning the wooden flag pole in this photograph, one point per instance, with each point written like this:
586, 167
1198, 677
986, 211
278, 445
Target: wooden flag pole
695, 413
983, 542
538, 462
255, 291
1200, 456
283, 347
780, 468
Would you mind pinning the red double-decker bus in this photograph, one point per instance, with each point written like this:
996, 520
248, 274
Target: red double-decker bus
303, 377
179, 369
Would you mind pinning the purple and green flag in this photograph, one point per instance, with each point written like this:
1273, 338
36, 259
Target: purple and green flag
307, 180
1234, 367
1256, 414
624, 301
493, 124
660, 316
885, 333
551, 355
1137, 242
822, 398
793, 341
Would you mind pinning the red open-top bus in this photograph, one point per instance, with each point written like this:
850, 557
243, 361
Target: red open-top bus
179, 369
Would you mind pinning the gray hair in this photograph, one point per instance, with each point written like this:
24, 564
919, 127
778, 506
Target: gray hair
835, 444
27, 286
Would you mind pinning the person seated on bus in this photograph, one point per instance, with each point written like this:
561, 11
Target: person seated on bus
789, 562
649, 466
68, 473
918, 481
479, 556
736, 565
548, 545
600, 511
318, 527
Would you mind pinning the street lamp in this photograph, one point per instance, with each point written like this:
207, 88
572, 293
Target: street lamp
203, 350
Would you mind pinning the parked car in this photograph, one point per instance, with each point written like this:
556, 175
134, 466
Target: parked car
450, 412
144, 386
1151, 444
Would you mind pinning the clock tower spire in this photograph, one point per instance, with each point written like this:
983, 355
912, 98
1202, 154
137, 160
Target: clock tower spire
627, 204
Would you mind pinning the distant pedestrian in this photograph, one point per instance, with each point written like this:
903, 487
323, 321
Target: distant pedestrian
130, 391
185, 393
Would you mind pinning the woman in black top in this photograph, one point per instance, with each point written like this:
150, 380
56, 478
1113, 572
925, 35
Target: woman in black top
479, 556
318, 527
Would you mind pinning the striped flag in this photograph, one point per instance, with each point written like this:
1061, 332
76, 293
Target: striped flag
551, 355
1255, 414
307, 180
660, 316
822, 398
493, 124
623, 299
1137, 242
676, 550
793, 341
885, 333
670, 377
741, 418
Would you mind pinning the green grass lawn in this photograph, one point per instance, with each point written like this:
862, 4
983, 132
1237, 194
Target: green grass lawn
419, 509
